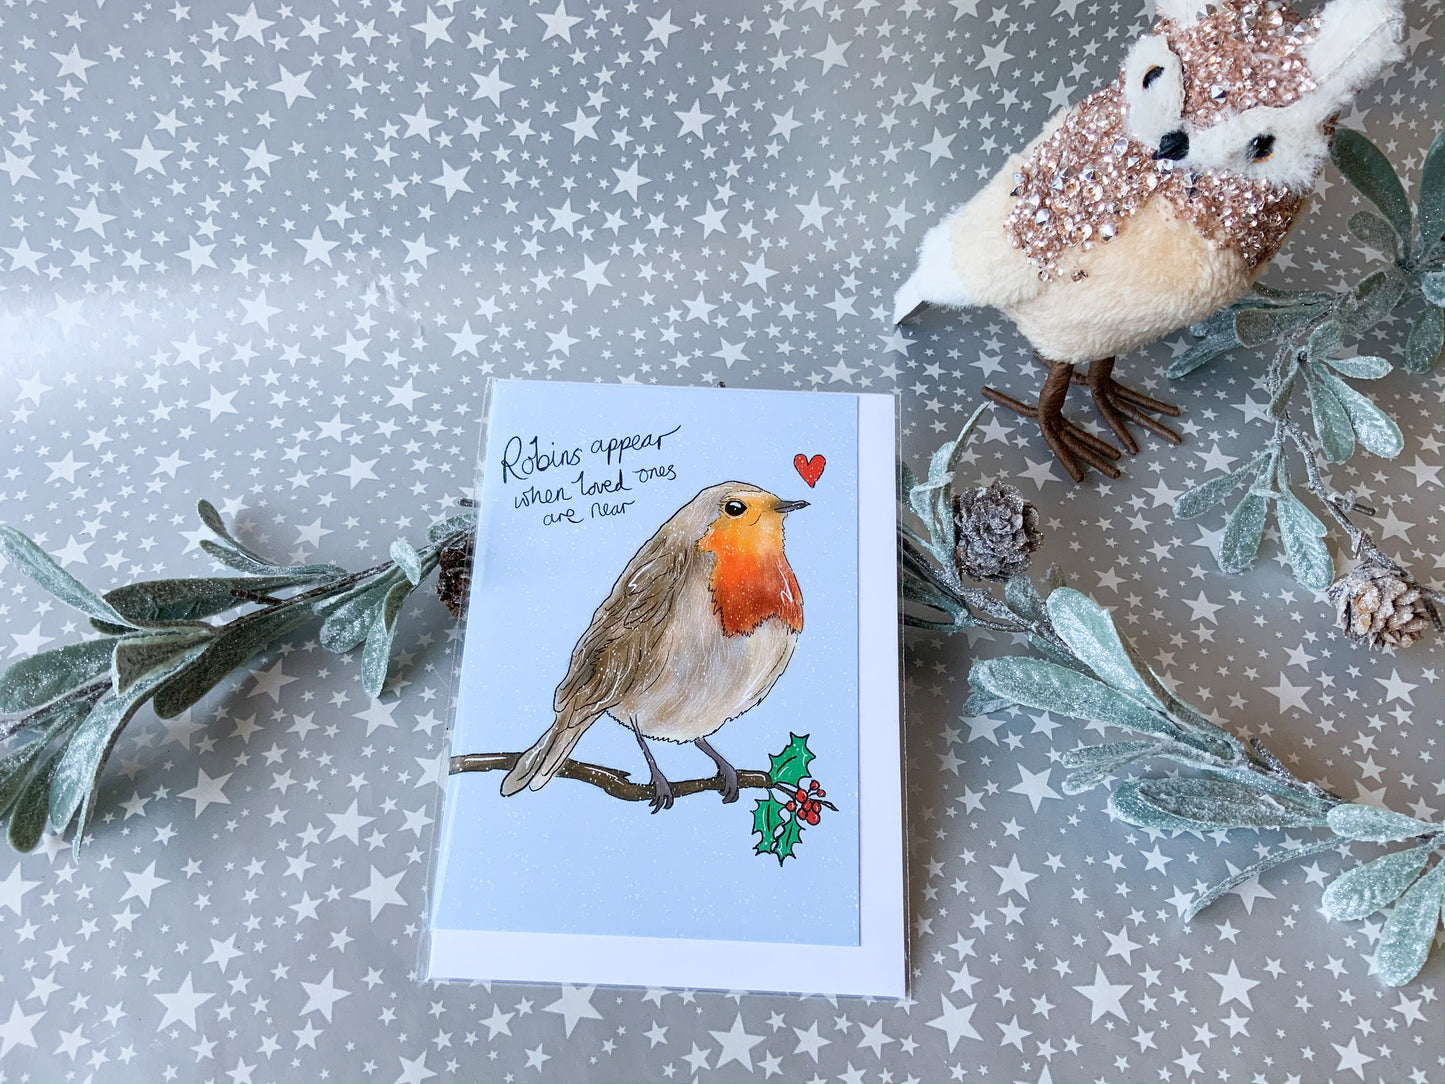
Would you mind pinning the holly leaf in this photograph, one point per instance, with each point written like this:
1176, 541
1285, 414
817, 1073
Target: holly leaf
767, 821
788, 839
791, 765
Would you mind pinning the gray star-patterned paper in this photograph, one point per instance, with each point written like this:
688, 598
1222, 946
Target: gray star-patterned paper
268, 254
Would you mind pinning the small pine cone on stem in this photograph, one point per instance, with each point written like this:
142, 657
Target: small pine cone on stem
996, 532
454, 578
1382, 606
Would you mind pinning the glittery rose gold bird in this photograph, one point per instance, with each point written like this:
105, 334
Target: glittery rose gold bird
1155, 201
695, 632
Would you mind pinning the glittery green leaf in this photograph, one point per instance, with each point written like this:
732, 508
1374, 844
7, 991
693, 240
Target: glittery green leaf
27, 818
142, 653
1405, 940
234, 646
1376, 431
1202, 498
1375, 232
1242, 533
1371, 885
1376, 825
87, 750
1367, 168
1371, 301
1022, 598
1094, 764
1332, 423
1302, 535
1126, 804
449, 527
1037, 684
1089, 631
30, 559
377, 656
17, 765
1431, 208
1212, 346
41, 678
1422, 349
348, 624
1364, 367
1258, 326
190, 600
980, 703
1220, 803
407, 559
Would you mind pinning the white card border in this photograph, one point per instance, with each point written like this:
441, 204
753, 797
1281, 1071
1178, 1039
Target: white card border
877, 966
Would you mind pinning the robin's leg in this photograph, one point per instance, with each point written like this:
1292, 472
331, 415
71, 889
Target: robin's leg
1117, 404
728, 773
1073, 447
661, 788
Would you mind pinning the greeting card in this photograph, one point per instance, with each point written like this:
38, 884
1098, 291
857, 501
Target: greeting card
675, 752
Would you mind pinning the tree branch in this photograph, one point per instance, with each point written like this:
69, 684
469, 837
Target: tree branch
613, 780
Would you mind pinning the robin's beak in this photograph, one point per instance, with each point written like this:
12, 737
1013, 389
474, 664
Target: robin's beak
784, 507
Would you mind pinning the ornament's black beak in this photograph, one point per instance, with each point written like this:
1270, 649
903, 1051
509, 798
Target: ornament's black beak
789, 506
1174, 145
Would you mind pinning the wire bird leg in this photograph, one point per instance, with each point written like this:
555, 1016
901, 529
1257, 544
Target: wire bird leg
1117, 404
1073, 447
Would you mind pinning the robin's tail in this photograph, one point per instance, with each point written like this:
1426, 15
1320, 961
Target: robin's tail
536, 767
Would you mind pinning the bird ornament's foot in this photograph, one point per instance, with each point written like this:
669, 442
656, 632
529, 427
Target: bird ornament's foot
1117, 405
1073, 447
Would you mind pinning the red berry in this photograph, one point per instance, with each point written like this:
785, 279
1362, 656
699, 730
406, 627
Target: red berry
813, 817
791, 806
821, 792
813, 785
801, 794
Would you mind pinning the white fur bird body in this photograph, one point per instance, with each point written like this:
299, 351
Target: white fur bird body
1251, 116
1159, 274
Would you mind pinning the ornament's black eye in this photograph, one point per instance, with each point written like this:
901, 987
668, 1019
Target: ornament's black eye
1261, 147
735, 508
1152, 74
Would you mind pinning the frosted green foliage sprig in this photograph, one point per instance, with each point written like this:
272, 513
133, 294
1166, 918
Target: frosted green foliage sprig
1084, 669
160, 643
1310, 330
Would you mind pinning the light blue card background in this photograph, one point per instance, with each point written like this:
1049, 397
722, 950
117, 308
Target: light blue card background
569, 858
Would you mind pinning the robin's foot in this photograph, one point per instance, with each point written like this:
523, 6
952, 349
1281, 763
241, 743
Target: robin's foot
661, 791
726, 772
1073, 447
661, 788
1117, 404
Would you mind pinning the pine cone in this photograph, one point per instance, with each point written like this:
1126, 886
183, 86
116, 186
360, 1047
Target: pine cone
997, 532
454, 581
1381, 606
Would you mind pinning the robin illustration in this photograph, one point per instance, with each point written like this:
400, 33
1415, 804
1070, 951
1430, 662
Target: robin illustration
695, 632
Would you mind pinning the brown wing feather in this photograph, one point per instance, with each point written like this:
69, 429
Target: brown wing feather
611, 656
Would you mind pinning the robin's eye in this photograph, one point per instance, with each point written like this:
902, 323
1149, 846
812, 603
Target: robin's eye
735, 508
1261, 147
1152, 74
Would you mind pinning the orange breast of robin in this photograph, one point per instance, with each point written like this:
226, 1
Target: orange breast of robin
750, 579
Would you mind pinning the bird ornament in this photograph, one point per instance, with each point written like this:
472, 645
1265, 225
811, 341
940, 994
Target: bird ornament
696, 631
1155, 201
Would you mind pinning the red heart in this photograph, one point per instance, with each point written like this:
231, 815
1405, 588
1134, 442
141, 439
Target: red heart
810, 469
